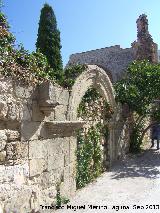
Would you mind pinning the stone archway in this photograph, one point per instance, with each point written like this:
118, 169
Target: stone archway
97, 78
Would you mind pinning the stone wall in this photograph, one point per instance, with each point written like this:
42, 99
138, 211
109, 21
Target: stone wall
114, 60
38, 139
37, 146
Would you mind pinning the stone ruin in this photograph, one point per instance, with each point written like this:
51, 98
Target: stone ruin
144, 47
38, 130
115, 60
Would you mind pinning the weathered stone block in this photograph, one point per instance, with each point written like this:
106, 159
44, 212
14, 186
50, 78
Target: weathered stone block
30, 130
3, 139
73, 147
5, 86
47, 179
55, 162
37, 149
60, 112
2, 156
66, 151
25, 112
13, 110
55, 93
37, 115
19, 200
37, 166
23, 91
54, 146
3, 109
12, 135
16, 150
2, 145
13, 173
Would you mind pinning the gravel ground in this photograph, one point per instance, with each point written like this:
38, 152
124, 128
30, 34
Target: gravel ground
133, 182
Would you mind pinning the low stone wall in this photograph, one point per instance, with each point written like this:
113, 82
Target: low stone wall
37, 145
33, 157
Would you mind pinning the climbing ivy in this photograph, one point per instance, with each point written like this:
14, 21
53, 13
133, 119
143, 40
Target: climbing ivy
59, 198
70, 75
89, 148
89, 157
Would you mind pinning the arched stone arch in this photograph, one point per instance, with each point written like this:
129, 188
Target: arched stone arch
95, 77
107, 71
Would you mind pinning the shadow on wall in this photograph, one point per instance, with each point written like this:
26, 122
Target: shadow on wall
145, 165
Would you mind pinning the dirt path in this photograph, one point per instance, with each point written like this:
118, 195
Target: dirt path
134, 181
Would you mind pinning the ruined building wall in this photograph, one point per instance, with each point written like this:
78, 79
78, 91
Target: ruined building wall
114, 60
144, 47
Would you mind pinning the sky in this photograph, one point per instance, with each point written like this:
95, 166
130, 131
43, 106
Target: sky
84, 24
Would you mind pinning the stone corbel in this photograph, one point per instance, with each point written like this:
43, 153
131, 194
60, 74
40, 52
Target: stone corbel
47, 99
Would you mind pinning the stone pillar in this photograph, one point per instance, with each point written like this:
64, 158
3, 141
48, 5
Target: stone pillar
144, 47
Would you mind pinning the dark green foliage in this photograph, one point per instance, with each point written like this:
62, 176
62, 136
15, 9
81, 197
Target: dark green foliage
60, 199
135, 138
155, 114
89, 157
70, 74
138, 90
89, 152
30, 67
19, 63
91, 95
48, 41
140, 87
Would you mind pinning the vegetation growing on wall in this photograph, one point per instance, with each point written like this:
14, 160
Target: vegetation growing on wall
70, 75
17, 62
30, 67
138, 90
90, 140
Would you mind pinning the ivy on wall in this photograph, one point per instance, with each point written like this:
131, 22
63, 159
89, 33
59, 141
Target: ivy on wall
94, 109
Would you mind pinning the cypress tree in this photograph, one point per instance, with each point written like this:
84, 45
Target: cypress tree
48, 40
